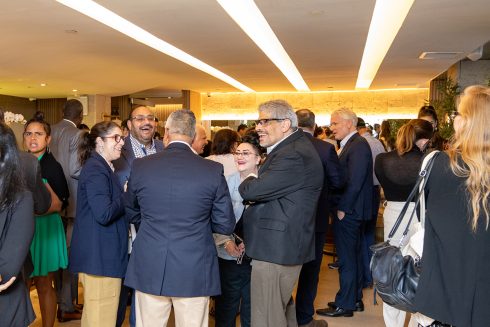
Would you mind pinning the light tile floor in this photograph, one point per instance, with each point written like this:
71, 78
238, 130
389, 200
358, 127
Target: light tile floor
371, 317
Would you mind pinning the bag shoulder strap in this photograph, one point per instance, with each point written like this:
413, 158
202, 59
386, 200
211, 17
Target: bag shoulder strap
428, 159
415, 194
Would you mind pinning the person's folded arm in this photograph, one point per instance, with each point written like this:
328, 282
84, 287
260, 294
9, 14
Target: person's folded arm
283, 176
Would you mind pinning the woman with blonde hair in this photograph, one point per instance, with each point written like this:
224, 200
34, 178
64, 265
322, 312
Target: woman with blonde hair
455, 280
397, 172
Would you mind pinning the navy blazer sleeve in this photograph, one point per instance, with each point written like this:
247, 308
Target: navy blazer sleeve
359, 165
332, 170
222, 209
131, 202
276, 181
98, 182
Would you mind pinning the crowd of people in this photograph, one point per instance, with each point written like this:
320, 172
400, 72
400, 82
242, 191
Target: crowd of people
136, 219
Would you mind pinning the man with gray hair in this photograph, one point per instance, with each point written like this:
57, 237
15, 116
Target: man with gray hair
332, 181
279, 223
354, 207
179, 199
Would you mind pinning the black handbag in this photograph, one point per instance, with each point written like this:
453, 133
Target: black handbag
395, 277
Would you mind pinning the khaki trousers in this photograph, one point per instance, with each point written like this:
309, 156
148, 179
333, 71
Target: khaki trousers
271, 294
154, 310
100, 300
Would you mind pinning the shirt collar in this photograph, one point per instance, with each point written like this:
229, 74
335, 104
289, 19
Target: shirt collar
70, 122
272, 147
347, 138
135, 141
185, 144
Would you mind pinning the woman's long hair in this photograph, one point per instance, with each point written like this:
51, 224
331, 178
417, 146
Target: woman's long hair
88, 141
11, 181
411, 132
469, 150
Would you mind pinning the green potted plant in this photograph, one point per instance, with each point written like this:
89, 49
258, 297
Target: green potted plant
446, 105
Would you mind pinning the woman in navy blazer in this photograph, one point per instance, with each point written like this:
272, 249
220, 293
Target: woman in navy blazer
100, 239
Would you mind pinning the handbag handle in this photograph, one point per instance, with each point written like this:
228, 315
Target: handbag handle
415, 194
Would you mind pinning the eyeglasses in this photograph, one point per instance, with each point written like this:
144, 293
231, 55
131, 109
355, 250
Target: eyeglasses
118, 138
244, 154
36, 134
266, 121
453, 114
141, 118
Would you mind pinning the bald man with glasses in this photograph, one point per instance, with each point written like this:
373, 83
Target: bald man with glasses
138, 144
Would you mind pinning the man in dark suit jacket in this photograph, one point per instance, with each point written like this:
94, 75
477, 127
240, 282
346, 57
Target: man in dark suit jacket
279, 224
139, 143
353, 209
333, 180
180, 199
65, 141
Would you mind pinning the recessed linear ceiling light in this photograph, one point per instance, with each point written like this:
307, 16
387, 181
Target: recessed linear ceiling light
248, 16
440, 55
388, 17
109, 18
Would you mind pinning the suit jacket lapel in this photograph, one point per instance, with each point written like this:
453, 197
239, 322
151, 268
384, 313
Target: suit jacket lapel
347, 145
291, 138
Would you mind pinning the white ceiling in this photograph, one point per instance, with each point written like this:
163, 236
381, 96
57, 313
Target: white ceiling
324, 38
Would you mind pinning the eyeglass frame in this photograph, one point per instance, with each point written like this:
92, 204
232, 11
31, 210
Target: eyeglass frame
118, 138
266, 121
245, 154
141, 118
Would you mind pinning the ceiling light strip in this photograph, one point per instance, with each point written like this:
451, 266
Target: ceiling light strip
248, 16
109, 18
388, 17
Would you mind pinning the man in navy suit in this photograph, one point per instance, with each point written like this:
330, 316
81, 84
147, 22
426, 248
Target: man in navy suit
139, 143
279, 224
180, 199
354, 207
332, 180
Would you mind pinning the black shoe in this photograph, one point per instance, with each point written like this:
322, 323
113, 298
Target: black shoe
67, 316
338, 312
333, 265
359, 306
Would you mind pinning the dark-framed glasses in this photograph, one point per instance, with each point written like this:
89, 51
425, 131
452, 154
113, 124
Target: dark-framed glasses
141, 118
266, 121
118, 138
243, 154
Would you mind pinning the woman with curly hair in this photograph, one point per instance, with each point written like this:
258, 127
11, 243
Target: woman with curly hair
235, 269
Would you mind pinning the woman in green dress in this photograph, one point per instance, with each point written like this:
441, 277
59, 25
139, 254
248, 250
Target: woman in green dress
48, 248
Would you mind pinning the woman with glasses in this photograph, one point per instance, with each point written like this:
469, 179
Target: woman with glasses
99, 248
454, 284
234, 266
48, 247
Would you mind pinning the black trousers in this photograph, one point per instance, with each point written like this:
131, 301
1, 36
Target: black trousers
308, 283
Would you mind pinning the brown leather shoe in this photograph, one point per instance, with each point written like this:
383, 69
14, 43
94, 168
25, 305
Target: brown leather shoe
315, 323
67, 316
